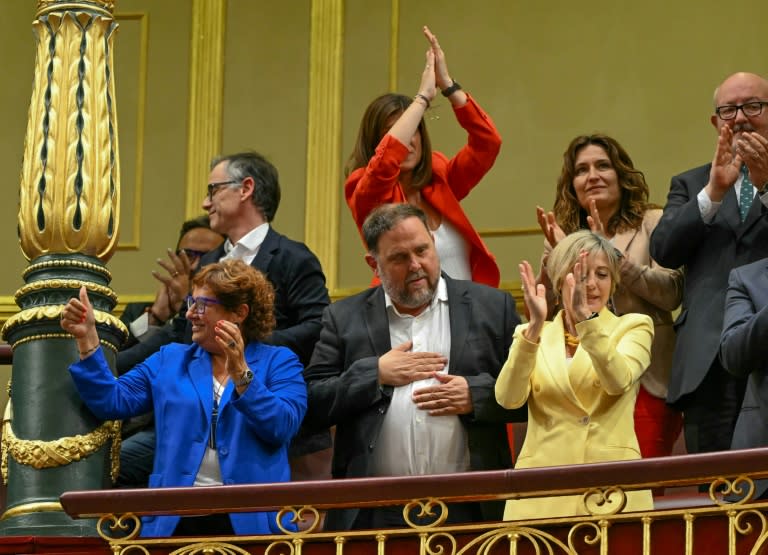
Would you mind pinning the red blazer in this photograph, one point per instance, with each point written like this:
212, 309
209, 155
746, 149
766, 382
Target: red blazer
452, 180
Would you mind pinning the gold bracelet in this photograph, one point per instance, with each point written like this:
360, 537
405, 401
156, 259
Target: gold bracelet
89, 351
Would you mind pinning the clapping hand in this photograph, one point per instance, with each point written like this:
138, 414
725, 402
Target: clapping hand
553, 233
535, 298
725, 166
575, 291
753, 150
594, 221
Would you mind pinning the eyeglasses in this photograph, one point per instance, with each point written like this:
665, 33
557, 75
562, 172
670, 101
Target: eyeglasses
213, 188
199, 304
192, 254
749, 109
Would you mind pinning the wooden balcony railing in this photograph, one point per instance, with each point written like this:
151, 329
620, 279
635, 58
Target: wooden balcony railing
701, 524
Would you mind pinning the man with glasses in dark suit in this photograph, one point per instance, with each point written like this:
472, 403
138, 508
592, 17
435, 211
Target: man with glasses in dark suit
715, 220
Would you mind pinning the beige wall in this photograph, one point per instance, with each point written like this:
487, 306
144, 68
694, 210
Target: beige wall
643, 72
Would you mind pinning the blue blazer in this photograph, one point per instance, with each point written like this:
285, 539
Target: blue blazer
253, 430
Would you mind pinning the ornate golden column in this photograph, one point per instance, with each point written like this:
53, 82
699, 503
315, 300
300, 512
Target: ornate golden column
68, 228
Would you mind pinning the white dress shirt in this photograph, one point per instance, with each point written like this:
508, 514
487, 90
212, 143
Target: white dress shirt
411, 442
248, 246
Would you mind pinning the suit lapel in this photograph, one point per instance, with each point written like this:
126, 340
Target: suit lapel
266, 251
459, 315
730, 210
201, 376
377, 322
623, 239
754, 214
552, 350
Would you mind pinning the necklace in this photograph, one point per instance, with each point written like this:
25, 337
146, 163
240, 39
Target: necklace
218, 389
571, 340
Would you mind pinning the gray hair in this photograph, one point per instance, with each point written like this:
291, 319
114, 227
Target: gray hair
266, 188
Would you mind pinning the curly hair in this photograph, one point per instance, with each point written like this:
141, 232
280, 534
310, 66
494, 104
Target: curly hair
634, 190
373, 127
236, 283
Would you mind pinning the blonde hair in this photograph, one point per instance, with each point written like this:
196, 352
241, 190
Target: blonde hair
562, 258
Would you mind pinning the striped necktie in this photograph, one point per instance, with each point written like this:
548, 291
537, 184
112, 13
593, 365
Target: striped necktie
746, 195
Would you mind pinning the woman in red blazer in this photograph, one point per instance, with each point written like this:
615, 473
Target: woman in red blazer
393, 162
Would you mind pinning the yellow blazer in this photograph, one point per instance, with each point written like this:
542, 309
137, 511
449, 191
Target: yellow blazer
580, 412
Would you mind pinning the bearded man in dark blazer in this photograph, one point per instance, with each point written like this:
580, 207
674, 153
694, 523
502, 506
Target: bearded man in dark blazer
406, 370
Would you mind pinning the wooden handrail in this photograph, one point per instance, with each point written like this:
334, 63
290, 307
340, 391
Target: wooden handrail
507, 484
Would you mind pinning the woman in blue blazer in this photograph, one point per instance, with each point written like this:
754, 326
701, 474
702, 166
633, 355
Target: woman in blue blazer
226, 406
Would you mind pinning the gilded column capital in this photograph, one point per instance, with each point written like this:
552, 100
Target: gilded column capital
105, 7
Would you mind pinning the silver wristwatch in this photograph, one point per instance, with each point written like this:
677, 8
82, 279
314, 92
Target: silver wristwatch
246, 379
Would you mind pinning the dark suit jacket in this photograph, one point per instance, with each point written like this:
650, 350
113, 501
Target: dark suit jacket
342, 378
707, 252
744, 352
300, 297
300, 292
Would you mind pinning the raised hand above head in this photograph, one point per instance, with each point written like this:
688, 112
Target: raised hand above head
442, 77
427, 88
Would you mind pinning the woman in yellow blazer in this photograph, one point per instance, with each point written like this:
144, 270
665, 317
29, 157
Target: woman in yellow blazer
579, 373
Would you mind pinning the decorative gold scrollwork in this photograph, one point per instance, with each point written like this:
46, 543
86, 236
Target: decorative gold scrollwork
123, 528
745, 528
53, 312
59, 452
299, 516
275, 548
736, 491
584, 529
48, 264
604, 501
540, 541
436, 544
63, 284
426, 507
211, 548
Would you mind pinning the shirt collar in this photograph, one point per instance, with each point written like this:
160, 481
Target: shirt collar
250, 241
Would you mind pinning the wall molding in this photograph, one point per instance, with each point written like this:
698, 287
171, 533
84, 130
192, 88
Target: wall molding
206, 97
141, 108
323, 181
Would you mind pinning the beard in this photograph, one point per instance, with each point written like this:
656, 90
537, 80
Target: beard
409, 299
